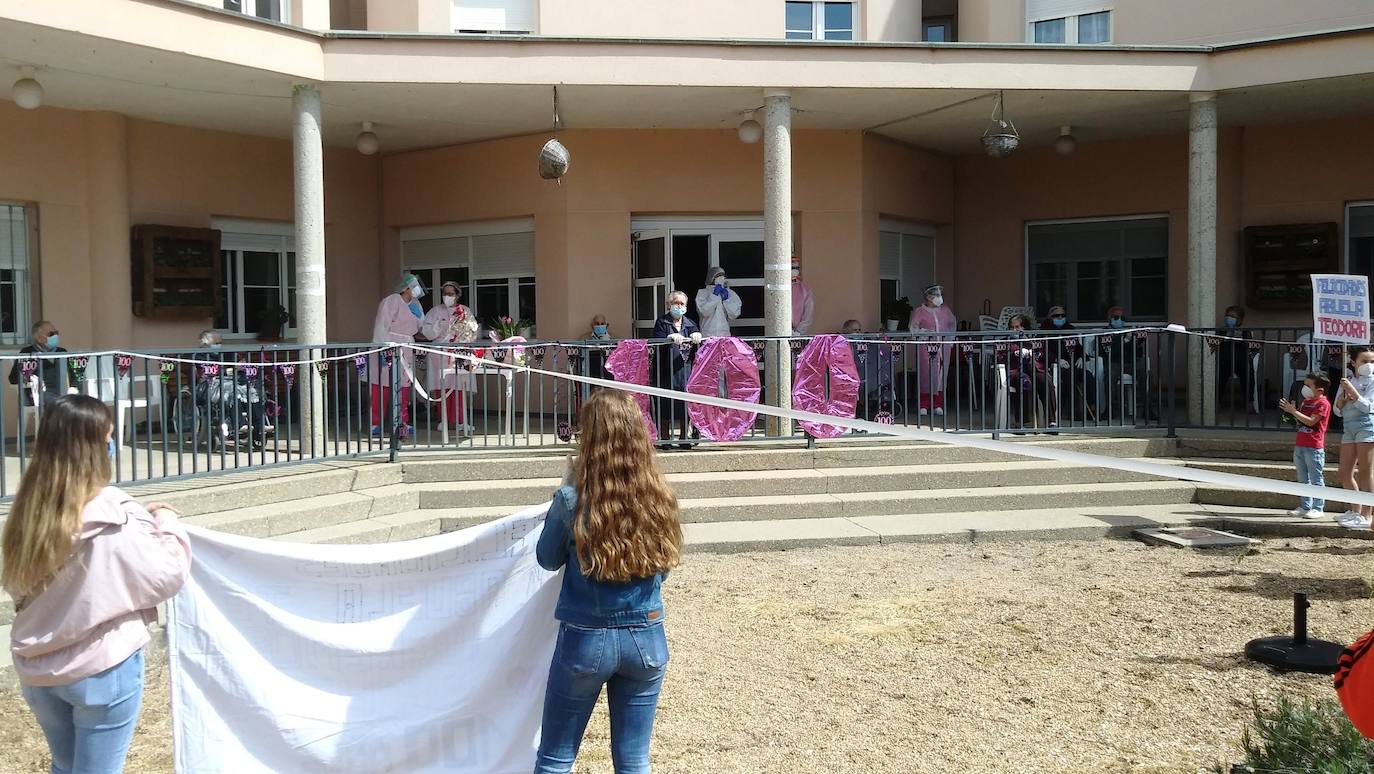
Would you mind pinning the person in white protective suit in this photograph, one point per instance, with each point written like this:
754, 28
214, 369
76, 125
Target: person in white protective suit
717, 304
397, 322
803, 302
448, 323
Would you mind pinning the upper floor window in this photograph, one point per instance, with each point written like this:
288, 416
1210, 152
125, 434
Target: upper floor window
259, 284
273, 10
938, 29
820, 21
18, 238
1072, 22
494, 17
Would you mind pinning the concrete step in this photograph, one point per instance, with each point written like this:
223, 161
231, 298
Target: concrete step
779, 483
321, 511
408, 525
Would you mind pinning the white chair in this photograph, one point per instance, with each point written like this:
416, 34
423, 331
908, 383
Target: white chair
1292, 374
122, 394
1008, 312
29, 414
987, 322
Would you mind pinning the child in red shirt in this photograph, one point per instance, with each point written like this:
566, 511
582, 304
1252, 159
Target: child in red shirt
1309, 448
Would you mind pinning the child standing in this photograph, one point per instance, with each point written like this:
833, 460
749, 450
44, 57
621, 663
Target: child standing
1309, 448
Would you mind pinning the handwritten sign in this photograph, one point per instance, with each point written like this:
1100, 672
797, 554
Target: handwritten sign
1340, 308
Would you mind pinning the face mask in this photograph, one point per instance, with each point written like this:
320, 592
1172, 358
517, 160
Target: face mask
600, 330
1058, 322
720, 280
216, 345
1365, 370
1231, 321
677, 311
416, 291
1117, 322
53, 342
110, 448
1308, 392
937, 300
450, 300
796, 274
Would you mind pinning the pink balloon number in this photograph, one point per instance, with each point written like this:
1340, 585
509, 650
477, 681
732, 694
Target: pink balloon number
741, 383
629, 363
826, 356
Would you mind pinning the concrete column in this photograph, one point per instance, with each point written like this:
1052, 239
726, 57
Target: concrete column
107, 207
1202, 254
777, 247
308, 163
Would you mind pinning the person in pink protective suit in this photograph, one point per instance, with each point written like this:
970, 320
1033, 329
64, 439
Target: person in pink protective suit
398, 320
803, 302
933, 315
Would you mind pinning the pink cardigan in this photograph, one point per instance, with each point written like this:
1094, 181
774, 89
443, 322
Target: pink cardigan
95, 612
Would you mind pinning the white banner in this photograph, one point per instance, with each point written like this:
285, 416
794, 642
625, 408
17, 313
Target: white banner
428, 655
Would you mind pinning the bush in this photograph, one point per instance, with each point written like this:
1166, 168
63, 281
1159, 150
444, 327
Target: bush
1306, 737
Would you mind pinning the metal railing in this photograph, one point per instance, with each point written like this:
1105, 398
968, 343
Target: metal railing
189, 412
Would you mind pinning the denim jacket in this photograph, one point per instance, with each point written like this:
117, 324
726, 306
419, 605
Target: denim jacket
584, 600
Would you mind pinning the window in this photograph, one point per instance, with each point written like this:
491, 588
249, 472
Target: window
819, 21
1073, 22
259, 277
493, 262
17, 241
1089, 266
906, 263
492, 17
939, 29
272, 10
1359, 229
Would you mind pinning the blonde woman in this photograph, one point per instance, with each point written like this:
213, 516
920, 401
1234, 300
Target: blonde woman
616, 528
86, 567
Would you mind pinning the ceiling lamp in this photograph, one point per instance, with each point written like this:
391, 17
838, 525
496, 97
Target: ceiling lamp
1000, 138
368, 143
750, 132
27, 93
554, 158
1067, 143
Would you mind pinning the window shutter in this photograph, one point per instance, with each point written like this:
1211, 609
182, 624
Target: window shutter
503, 255
1038, 10
14, 238
889, 255
494, 15
429, 253
918, 264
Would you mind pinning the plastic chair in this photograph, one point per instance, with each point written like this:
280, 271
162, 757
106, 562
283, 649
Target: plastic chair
121, 393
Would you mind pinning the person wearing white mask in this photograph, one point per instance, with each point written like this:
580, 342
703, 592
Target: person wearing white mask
674, 365
717, 304
448, 323
803, 302
397, 321
934, 316
1355, 401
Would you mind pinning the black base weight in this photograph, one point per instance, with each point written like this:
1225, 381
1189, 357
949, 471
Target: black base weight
1296, 653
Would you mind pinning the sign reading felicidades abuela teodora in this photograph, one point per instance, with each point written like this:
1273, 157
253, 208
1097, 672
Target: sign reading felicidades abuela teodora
1340, 308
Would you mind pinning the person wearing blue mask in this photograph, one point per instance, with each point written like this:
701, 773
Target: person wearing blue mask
1234, 361
1077, 380
600, 331
45, 341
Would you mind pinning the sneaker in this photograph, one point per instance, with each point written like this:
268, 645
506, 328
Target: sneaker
1348, 517
1359, 522
1298, 513
923, 412
1314, 513
939, 412
376, 431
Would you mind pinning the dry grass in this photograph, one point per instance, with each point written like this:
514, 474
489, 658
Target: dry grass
1014, 657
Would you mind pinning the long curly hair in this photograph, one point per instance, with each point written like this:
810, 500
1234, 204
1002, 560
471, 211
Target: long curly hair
626, 524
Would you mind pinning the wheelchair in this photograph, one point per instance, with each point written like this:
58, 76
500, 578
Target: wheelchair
219, 410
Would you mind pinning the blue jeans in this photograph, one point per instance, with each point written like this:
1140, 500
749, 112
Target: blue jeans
1310, 463
90, 723
630, 662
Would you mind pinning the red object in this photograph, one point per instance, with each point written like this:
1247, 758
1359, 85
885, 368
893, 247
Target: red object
1314, 437
478, 352
378, 401
1355, 684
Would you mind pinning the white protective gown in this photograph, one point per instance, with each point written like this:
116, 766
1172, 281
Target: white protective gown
395, 324
715, 314
448, 325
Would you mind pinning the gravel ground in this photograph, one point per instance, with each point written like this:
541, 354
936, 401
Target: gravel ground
1001, 657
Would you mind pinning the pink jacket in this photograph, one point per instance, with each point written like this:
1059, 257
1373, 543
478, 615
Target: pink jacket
95, 612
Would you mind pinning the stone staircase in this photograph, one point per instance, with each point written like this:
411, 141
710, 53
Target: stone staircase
759, 496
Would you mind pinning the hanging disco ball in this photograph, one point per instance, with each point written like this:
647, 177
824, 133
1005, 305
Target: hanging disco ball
553, 160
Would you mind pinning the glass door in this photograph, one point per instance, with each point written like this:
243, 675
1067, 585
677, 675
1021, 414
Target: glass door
740, 253
649, 265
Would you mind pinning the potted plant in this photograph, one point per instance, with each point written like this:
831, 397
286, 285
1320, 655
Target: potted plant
898, 311
507, 327
270, 322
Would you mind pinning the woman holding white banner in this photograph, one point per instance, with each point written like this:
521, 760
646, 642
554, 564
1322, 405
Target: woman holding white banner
87, 567
1355, 401
616, 529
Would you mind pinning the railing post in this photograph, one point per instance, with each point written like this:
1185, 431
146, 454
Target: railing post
1171, 385
394, 403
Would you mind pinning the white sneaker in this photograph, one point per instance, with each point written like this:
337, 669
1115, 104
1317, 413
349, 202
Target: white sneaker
1359, 522
1298, 513
1348, 517
939, 412
923, 412
1314, 514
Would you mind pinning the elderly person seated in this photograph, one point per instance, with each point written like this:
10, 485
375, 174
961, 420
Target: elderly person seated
1030, 389
44, 340
234, 402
